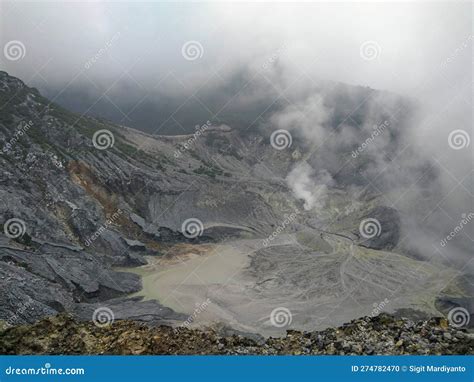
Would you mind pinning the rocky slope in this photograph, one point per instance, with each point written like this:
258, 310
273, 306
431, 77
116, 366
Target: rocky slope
383, 334
83, 201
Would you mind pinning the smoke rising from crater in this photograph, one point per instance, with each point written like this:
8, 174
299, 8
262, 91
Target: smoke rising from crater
309, 185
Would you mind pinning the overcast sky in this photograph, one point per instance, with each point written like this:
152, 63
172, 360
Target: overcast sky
410, 41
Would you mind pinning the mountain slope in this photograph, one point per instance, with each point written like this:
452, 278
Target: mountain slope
91, 198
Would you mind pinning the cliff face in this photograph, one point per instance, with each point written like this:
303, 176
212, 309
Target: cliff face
82, 203
80, 197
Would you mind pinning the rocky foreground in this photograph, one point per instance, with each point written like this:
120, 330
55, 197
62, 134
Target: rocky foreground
383, 334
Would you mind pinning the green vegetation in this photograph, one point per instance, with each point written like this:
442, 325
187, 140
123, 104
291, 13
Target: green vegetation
210, 170
8, 101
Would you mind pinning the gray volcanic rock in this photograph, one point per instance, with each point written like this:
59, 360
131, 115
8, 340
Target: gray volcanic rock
378, 335
53, 278
146, 227
27, 297
149, 311
453, 304
61, 276
90, 196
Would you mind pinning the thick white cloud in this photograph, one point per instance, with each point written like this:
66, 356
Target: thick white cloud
324, 40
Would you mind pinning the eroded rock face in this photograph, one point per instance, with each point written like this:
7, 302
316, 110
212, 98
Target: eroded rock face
87, 206
53, 279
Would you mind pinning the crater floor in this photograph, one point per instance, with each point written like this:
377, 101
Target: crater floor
240, 283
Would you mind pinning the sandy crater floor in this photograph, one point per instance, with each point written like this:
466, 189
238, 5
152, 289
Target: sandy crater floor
245, 282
